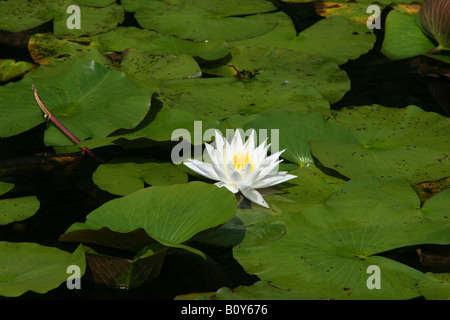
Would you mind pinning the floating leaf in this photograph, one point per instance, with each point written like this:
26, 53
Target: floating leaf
328, 249
408, 143
93, 20
16, 209
285, 66
199, 20
171, 215
19, 15
312, 186
10, 69
123, 38
46, 47
128, 177
146, 70
335, 39
78, 95
219, 98
296, 130
435, 286
33, 267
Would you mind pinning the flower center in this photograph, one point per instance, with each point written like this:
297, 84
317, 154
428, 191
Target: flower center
241, 159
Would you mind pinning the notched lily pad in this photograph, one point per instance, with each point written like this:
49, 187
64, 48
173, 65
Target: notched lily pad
16, 209
408, 143
199, 20
171, 215
79, 95
33, 267
127, 177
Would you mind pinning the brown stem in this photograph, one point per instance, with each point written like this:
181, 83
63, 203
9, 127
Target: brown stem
50, 117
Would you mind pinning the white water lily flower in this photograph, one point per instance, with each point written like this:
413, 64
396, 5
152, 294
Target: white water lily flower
240, 166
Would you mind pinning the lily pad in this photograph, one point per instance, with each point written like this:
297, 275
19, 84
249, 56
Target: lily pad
150, 41
93, 20
128, 177
33, 267
199, 20
19, 15
171, 215
435, 286
10, 69
16, 209
46, 47
296, 130
220, 98
312, 186
23, 15
328, 249
408, 143
286, 66
335, 39
147, 70
78, 95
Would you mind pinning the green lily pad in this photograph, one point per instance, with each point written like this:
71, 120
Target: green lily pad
46, 47
285, 65
312, 186
33, 267
408, 143
147, 70
296, 130
220, 98
128, 177
328, 250
10, 69
5, 187
16, 209
199, 20
370, 190
93, 20
79, 95
150, 41
260, 290
335, 39
23, 15
435, 286
95, 3
19, 15
171, 215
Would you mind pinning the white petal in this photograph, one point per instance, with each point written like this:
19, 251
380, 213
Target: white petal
205, 169
233, 188
269, 181
273, 157
232, 173
270, 169
219, 171
251, 141
237, 143
254, 196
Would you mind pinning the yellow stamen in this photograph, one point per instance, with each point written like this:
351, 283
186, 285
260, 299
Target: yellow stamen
240, 160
